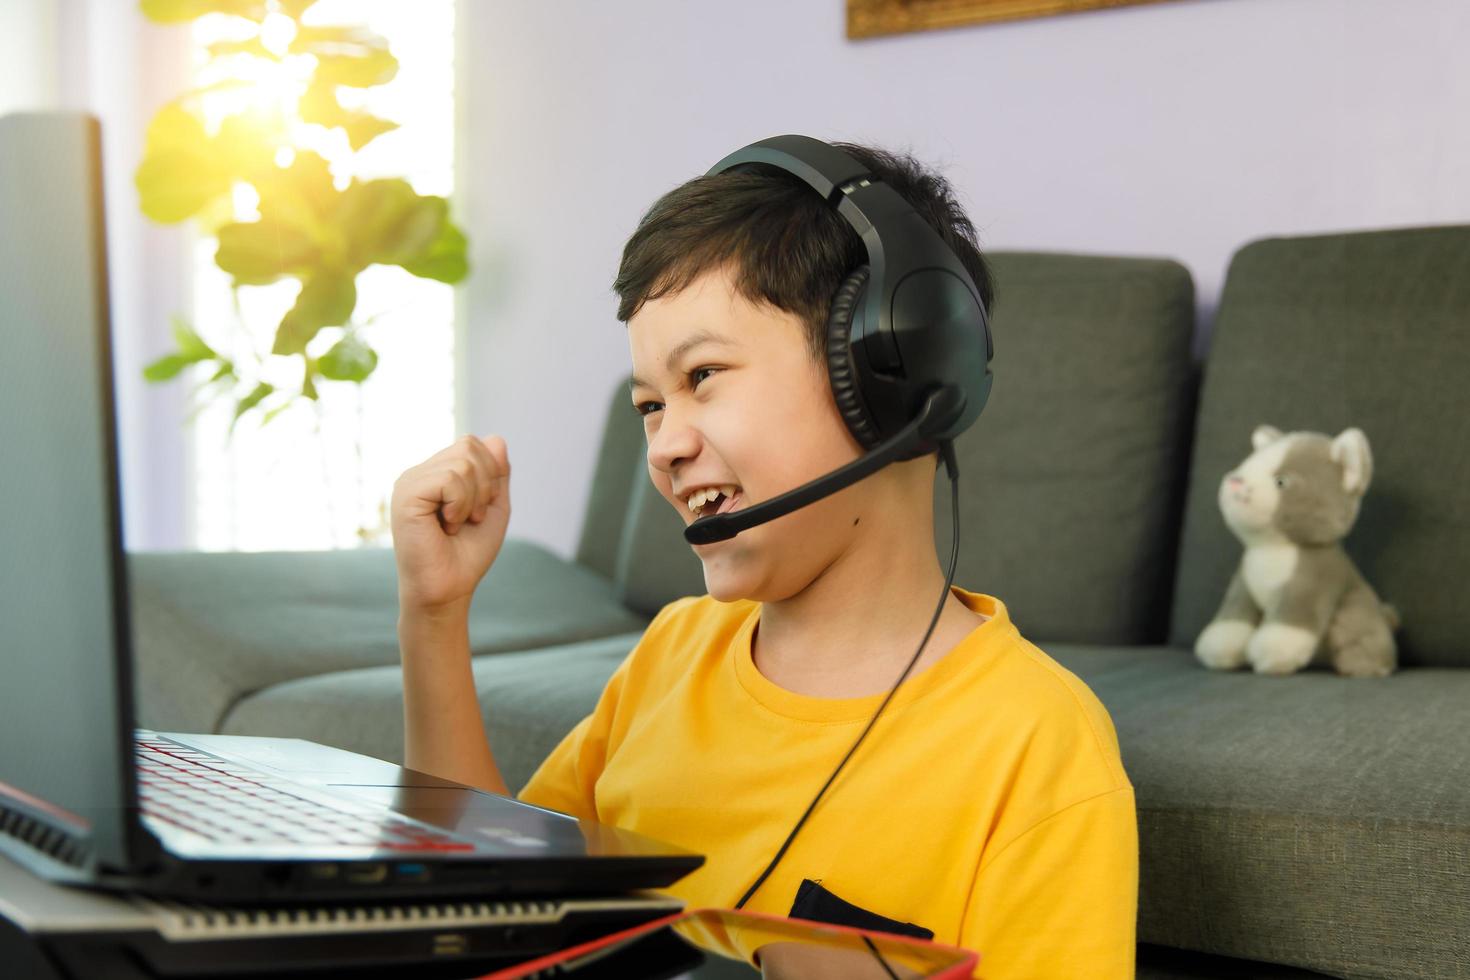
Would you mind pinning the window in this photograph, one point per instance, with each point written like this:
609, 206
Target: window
320, 475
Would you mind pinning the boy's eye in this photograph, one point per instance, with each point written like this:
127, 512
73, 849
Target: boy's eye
695, 377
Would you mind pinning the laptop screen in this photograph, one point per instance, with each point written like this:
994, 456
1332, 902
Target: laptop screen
65, 706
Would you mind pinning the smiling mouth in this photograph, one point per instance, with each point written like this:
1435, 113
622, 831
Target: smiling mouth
721, 504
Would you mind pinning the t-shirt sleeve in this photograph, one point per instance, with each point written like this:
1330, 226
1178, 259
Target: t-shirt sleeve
567, 778
1061, 900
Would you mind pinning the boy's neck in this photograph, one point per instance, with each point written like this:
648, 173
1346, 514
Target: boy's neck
854, 628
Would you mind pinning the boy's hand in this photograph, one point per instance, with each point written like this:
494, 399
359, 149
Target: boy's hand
449, 515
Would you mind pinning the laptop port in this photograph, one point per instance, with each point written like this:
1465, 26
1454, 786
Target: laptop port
412, 872
451, 944
367, 874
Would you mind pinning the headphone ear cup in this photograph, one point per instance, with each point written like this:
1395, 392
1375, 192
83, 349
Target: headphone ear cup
842, 367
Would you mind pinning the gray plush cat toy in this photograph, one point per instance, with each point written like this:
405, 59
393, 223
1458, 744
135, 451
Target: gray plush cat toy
1297, 598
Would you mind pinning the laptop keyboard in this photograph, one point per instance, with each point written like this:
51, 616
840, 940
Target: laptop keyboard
220, 801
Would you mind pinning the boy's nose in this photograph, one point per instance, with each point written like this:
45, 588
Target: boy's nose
672, 444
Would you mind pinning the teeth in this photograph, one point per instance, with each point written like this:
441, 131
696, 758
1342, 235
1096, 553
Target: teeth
699, 498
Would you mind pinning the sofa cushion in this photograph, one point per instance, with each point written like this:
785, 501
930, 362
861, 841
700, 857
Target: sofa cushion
1070, 481
530, 699
620, 467
210, 628
1322, 333
1309, 820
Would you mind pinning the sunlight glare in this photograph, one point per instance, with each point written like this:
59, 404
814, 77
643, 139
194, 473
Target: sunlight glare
277, 32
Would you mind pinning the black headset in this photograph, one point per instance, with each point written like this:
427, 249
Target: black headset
908, 336
908, 356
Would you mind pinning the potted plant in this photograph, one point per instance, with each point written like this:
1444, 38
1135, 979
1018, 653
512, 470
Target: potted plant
309, 225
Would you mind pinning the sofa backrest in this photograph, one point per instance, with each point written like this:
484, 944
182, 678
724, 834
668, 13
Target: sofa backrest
619, 469
1368, 329
1071, 481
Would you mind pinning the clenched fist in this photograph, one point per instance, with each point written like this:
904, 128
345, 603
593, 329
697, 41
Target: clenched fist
449, 515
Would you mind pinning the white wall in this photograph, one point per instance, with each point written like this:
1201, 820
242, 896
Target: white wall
122, 67
103, 57
1181, 129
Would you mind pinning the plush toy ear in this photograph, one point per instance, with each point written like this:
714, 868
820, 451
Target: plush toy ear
1350, 450
1264, 436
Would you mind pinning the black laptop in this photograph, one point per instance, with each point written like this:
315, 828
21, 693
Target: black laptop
85, 796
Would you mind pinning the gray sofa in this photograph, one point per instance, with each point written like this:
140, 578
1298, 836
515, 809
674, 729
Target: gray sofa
1286, 824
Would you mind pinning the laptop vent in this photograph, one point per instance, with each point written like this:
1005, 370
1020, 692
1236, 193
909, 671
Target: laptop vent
46, 838
186, 920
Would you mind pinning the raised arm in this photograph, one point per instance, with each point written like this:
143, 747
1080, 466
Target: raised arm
449, 515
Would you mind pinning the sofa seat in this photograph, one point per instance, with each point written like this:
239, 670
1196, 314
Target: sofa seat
1310, 820
211, 628
531, 699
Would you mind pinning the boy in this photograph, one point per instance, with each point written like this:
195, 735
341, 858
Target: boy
990, 806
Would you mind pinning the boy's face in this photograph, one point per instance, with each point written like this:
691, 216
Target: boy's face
730, 396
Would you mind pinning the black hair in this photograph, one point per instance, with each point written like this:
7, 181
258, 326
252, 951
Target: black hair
786, 246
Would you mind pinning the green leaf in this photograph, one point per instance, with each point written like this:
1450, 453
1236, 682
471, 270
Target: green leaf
219, 85
214, 216
165, 367
263, 251
337, 39
191, 350
372, 66
169, 11
256, 396
221, 379
320, 106
251, 46
325, 300
301, 196
445, 259
191, 346
294, 8
266, 420
387, 221
167, 196
364, 127
184, 169
177, 11
349, 360
181, 173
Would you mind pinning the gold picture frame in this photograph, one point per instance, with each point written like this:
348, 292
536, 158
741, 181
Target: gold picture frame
874, 18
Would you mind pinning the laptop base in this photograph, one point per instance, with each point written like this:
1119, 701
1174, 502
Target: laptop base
52, 931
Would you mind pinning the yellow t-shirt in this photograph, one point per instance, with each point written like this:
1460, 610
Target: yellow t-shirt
989, 803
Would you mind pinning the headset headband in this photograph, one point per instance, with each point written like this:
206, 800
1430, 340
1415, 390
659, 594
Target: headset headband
898, 239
